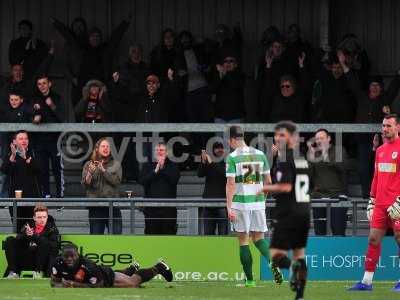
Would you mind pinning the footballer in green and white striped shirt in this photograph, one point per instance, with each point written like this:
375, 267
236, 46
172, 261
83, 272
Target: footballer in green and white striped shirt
247, 170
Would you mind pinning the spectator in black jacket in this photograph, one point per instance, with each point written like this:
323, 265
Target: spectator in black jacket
328, 177
76, 40
273, 65
228, 85
35, 247
17, 111
215, 219
295, 45
191, 69
393, 94
291, 103
27, 50
160, 180
128, 86
163, 56
356, 58
371, 108
96, 56
23, 170
333, 100
48, 107
225, 41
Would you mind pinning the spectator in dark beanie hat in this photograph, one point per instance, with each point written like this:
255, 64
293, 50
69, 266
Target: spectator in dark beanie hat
228, 85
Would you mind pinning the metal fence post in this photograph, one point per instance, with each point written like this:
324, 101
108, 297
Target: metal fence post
328, 218
110, 217
15, 217
355, 206
132, 217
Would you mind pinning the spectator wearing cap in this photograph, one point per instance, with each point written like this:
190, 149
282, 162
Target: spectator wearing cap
153, 106
371, 108
228, 86
35, 247
212, 167
27, 50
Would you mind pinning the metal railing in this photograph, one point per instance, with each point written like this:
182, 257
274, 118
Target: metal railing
179, 127
191, 204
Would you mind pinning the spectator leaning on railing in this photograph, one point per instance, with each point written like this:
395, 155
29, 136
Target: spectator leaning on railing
35, 247
101, 177
328, 175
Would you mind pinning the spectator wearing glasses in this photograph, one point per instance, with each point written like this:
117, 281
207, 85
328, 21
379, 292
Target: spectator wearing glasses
273, 65
291, 103
228, 86
328, 177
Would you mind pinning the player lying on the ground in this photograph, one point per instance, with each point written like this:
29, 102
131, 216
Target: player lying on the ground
383, 209
72, 270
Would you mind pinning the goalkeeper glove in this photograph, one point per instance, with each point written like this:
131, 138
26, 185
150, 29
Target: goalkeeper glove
370, 208
394, 210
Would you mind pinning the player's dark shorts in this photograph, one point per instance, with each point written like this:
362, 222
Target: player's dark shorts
290, 232
108, 276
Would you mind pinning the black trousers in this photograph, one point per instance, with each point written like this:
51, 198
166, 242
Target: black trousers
215, 221
338, 220
49, 153
20, 256
365, 162
98, 220
160, 220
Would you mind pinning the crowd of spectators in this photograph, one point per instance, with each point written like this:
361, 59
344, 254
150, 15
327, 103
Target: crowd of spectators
186, 79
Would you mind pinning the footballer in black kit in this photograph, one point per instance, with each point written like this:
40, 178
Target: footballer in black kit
73, 270
291, 215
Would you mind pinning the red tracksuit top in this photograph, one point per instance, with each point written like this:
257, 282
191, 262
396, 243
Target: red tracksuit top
386, 182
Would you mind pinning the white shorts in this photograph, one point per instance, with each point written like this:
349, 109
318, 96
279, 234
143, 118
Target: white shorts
249, 220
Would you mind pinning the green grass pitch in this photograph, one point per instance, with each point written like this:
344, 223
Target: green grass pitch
26, 289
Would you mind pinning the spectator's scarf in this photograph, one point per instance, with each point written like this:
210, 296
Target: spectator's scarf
39, 229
